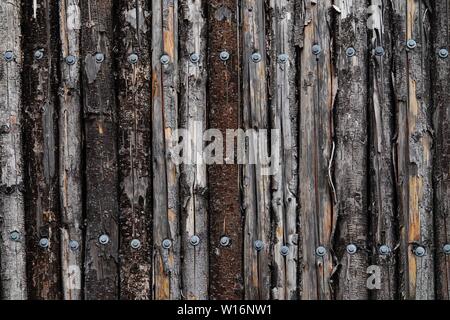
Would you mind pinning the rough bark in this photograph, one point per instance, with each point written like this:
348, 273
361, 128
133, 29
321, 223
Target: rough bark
350, 162
193, 180
12, 263
414, 158
166, 262
70, 149
40, 77
317, 85
441, 119
382, 203
255, 184
99, 112
134, 95
283, 116
223, 180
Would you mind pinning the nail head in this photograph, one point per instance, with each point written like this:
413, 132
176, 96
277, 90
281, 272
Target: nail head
39, 54
443, 53
8, 55
195, 241
316, 49
74, 245
44, 243
284, 251
259, 245
99, 57
224, 56
321, 251
350, 52
165, 59
283, 58
351, 249
256, 57
411, 44
167, 244
70, 60
103, 239
195, 58
133, 58
384, 250
135, 244
225, 241
447, 249
14, 235
420, 251
379, 51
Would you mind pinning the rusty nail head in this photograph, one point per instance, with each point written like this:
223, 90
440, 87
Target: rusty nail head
443, 53
350, 52
420, 251
195, 241
165, 59
284, 251
70, 60
225, 241
14, 235
8, 56
283, 58
44, 243
384, 250
379, 51
321, 251
167, 244
256, 57
195, 57
351, 249
411, 44
39, 54
259, 245
133, 58
447, 249
135, 244
103, 239
316, 49
224, 55
74, 245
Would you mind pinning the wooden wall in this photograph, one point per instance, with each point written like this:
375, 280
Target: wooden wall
95, 205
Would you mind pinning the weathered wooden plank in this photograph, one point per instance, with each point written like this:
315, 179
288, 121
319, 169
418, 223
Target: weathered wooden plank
414, 130
70, 149
318, 87
284, 110
12, 226
166, 254
382, 204
255, 184
193, 180
441, 118
134, 64
99, 112
350, 162
223, 180
41, 157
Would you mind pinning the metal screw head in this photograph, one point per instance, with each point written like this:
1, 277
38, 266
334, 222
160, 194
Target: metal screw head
166, 244
14, 236
8, 56
351, 249
165, 59
447, 249
133, 58
135, 244
103, 239
350, 52
99, 57
420, 251
74, 245
379, 51
259, 245
195, 241
321, 251
384, 250
316, 49
284, 251
443, 53
411, 44
39, 54
225, 241
224, 55
44, 243
70, 60
195, 58
256, 57
283, 58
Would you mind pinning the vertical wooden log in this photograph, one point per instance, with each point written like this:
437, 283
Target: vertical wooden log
284, 111
134, 94
223, 180
12, 226
351, 151
70, 148
166, 254
382, 204
101, 244
441, 97
255, 184
40, 78
414, 130
193, 182
318, 87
